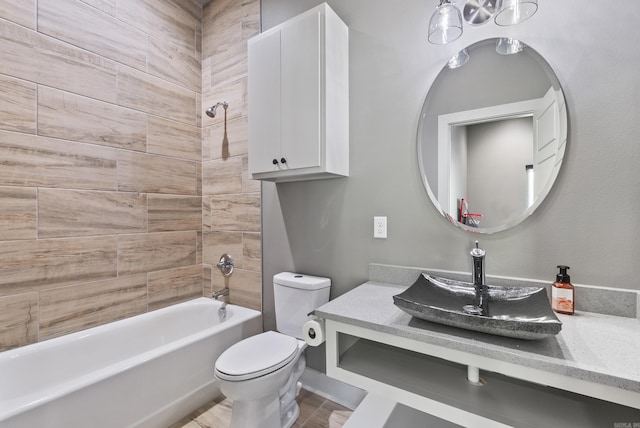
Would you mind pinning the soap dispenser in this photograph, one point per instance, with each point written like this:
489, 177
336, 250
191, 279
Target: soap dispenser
562, 292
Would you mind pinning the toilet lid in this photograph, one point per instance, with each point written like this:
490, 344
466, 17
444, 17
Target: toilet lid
256, 356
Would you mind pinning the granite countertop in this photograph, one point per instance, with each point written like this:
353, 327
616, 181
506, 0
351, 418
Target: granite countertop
603, 349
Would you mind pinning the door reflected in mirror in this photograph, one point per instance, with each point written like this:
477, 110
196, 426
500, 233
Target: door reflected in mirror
491, 138
497, 154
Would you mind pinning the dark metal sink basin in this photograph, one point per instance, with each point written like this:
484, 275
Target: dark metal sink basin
519, 312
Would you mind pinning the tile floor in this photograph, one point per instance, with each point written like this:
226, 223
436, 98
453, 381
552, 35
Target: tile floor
315, 412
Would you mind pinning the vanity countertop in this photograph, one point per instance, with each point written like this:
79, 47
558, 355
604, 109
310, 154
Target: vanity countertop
602, 349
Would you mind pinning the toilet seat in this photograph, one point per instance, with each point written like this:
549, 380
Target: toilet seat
256, 356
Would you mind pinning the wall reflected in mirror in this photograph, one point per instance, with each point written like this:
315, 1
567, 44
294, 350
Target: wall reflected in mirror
491, 138
497, 154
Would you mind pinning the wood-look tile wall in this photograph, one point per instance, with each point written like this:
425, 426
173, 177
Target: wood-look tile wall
101, 163
231, 202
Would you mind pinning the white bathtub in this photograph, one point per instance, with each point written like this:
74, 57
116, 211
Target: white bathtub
146, 371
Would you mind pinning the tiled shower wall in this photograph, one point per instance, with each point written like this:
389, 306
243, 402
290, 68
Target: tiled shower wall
231, 202
101, 164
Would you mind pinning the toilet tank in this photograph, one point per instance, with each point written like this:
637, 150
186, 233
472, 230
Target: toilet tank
295, 295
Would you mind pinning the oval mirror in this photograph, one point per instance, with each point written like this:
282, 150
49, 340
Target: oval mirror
492, 136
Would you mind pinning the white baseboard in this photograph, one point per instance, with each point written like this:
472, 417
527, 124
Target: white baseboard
332, 389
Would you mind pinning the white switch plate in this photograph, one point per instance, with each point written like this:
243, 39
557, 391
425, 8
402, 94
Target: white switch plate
380, 227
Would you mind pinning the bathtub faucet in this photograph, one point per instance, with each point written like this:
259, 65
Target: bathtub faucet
222, 310
220, 293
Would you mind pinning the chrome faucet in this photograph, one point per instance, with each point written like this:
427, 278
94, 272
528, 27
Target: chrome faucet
482, 299
477, 254
222, 310
220, 293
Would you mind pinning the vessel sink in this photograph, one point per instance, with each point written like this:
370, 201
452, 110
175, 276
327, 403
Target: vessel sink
518, 312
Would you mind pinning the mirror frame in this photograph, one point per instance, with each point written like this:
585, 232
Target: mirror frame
562, 135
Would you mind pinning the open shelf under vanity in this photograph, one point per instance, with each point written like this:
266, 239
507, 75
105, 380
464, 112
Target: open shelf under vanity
440, 388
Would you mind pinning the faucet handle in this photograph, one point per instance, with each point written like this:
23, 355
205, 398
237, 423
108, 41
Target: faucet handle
477, 252
225, 265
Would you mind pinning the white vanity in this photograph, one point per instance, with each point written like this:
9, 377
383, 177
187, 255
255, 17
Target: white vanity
586, 376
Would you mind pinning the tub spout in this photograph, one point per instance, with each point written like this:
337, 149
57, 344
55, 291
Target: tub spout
220, 293
222, 310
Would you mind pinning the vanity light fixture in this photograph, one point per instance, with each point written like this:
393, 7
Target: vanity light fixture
508, 46
478, 12
445, 24
511, 12
459, 59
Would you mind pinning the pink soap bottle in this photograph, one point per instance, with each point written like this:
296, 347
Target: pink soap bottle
562, 292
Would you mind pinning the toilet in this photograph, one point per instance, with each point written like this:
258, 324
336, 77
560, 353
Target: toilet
259, 374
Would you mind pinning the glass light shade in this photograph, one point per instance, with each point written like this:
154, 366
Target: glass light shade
445, 24
508, 46
512, 12
459, 59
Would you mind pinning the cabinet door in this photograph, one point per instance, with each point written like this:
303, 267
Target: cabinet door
300, 88
264, 103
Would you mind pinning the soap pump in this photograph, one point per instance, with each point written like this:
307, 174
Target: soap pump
562, 292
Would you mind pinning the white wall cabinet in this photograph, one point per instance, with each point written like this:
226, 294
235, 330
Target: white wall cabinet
299, 99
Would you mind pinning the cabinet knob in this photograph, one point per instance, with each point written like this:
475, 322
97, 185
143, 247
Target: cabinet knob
283, 160
275, 161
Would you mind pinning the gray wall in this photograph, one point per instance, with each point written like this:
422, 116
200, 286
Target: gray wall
497, 180
588, 220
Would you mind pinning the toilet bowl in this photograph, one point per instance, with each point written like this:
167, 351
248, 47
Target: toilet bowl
260, 374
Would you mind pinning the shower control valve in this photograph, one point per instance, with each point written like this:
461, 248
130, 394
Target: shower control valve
225, 265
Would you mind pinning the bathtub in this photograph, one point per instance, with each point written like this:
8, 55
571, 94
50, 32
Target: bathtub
146, 371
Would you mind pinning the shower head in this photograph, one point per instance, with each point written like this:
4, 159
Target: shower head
211, 111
